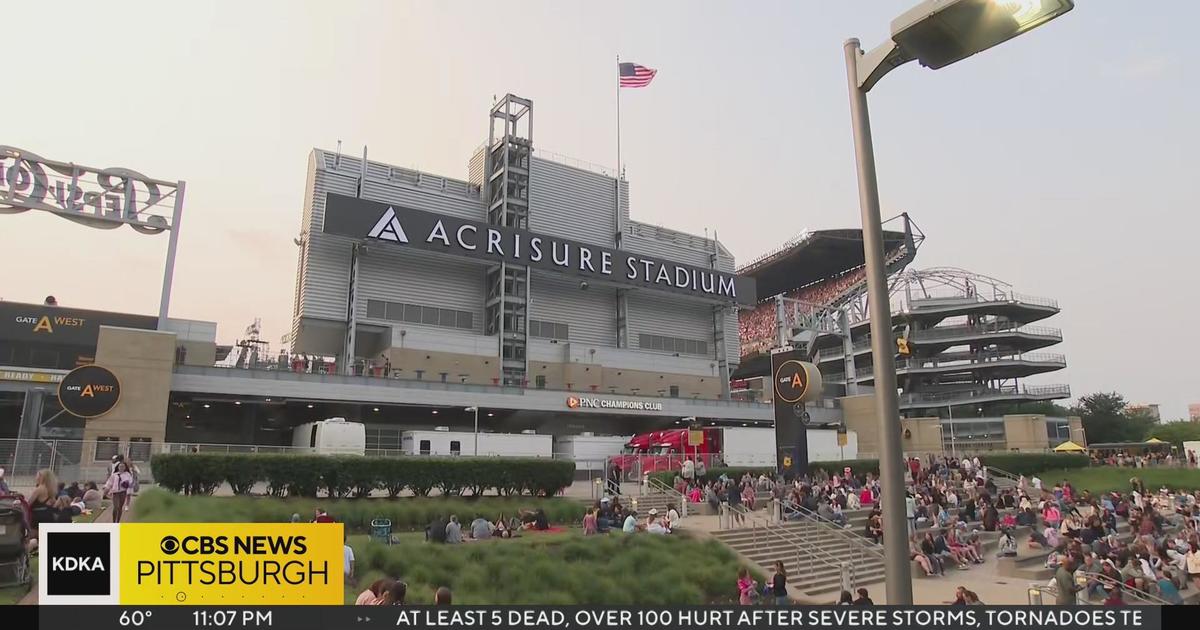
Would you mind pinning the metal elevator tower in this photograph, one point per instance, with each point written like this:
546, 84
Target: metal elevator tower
506, 193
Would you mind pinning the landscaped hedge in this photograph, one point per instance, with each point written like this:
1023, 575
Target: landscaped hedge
156, 505
353, 476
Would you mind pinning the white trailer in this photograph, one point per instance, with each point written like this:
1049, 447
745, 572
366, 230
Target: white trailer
332, 436
753, 448
463, 443
748, 448
588, 451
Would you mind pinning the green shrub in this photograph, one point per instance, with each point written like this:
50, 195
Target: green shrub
155, 505
347, 475
559, 570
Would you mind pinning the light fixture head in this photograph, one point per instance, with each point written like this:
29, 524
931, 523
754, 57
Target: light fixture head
938, 33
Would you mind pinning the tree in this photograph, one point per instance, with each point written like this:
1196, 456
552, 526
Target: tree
1106, 420
1176, 432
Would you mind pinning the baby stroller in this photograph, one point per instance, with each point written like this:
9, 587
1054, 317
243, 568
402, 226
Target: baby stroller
14, 529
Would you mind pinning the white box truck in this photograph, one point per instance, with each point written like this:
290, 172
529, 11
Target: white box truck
587, 450
332, 436
447, 442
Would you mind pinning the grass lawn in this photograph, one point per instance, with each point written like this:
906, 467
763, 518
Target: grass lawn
1106, 478
555, 569
407, 514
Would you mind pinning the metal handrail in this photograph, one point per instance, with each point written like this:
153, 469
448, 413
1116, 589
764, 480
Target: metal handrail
1000, 472
857, 541
797, 539
672, 493
1136, 592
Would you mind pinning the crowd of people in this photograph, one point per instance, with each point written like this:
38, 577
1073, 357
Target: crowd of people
757, 326
1129, 458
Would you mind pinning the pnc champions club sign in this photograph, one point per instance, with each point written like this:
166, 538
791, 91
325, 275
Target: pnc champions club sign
230, 564
363, 219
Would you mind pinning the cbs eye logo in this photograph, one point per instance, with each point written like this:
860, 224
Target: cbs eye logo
169, 545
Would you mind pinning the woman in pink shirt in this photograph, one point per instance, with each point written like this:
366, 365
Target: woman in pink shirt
865, 497
746, 587
1051, 514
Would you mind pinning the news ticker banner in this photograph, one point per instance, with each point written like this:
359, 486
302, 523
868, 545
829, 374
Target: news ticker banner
205, 564
594, 618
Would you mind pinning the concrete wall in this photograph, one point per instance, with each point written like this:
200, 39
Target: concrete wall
1078, 435
142, 360
921, 436
858, 412
1025, 433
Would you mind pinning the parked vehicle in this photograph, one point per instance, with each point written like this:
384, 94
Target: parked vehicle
332, 436
739, 447
450, 443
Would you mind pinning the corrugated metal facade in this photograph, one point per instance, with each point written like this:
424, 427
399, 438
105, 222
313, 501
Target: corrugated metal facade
570, 202
590, 314
565, 201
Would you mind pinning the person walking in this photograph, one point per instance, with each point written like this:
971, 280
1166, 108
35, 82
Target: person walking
118, 487
779, 584
1064, 582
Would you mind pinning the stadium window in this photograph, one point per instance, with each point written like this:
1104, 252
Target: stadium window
448, 318
674, 391
394, 312
466, 320
412, 313
429, 315
106, 447
139, 449
455, 447
702, 347
561, 331
425, 450
375, 309
535, 328
540, 381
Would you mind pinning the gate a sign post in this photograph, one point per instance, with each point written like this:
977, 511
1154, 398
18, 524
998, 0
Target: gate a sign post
793, 382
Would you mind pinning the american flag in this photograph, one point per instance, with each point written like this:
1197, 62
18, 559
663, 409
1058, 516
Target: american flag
635, 76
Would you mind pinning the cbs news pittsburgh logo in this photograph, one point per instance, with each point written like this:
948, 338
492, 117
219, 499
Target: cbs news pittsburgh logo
191, 563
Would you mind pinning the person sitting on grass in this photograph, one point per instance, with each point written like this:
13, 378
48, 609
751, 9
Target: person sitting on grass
630, 525
654, 525
374, 592
321, 516
534, 520
453, 531
393, 595
441, 597
481, 528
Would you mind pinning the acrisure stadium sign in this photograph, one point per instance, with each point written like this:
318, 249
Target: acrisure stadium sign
364, 219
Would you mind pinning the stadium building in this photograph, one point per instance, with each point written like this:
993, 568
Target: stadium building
965, 343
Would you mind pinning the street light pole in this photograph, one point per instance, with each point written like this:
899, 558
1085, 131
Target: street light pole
475, 452
898, 567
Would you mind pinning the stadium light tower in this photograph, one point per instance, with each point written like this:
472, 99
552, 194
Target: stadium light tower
937, 33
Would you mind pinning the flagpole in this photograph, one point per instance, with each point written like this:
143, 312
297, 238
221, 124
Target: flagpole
618, 176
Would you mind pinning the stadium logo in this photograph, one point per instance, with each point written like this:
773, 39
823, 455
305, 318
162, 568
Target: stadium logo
572, 402
77, 563
388, 228
45, 324
89, 391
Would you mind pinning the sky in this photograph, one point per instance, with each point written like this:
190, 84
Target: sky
1062, 162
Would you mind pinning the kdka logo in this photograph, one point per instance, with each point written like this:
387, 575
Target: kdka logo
78, 563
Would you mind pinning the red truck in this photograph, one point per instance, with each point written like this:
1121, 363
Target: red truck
659, 451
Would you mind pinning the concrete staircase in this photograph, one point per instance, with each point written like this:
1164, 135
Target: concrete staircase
811, 552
